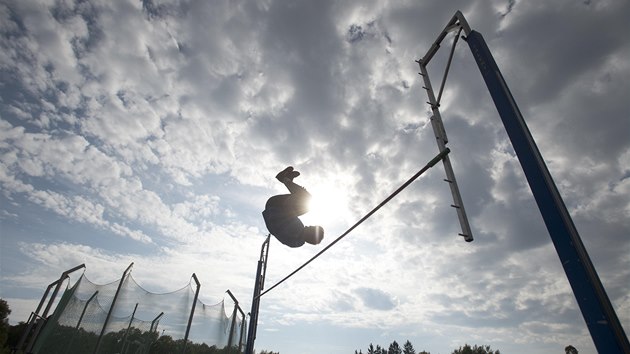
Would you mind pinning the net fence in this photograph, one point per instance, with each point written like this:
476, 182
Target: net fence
91, 318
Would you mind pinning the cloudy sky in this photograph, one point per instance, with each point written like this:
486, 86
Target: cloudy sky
151, 132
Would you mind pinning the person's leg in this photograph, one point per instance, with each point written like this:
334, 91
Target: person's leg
300, 197
290, 204
278, 202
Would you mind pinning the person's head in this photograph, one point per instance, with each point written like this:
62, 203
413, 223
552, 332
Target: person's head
313, 234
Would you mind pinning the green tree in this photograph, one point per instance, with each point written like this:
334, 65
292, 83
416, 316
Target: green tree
15, 334
4, 325
570, 350
481, 349
371, 349
408, 348
394, 348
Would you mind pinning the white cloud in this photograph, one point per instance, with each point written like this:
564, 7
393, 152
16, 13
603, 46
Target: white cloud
165, 122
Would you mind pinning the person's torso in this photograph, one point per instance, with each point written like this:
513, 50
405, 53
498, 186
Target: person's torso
285, 227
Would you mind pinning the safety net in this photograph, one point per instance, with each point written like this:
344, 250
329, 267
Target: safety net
122, 317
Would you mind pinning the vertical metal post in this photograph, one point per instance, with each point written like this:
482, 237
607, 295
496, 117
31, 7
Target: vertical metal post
253, 315
64, 275
76, 328
41, 302
234, 318
111, 308
155, 321
258, 287
192, 311
87, 303
601, 319
231, 330
62, 278
242, 332
154, 325
124, 342
35, 315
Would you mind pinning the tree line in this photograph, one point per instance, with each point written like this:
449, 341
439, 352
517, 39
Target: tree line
407, 348
147, 342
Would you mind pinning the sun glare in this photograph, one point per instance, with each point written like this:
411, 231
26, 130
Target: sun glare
329, 205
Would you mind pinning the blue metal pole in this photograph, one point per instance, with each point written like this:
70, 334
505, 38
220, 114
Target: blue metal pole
601, 319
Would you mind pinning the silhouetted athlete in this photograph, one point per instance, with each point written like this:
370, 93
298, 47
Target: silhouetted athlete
282, 211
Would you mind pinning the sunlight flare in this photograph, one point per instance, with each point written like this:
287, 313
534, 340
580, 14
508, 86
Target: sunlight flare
329, 205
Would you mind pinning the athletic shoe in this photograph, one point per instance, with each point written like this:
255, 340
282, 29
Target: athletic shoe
284, 174
291, 175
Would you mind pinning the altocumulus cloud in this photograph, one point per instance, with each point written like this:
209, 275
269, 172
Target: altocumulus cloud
375, 299
150, 132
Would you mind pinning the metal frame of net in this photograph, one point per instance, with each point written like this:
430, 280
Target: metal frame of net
122, 317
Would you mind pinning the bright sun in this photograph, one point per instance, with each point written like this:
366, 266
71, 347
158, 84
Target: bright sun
328, 206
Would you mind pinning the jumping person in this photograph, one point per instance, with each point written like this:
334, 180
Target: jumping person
282, 211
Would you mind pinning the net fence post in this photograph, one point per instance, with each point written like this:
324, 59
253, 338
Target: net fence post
36, 315
234, 317
111, 308
192, 311
242, 332
154, 325
124, 342
231, 330
87, 303
155, 322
